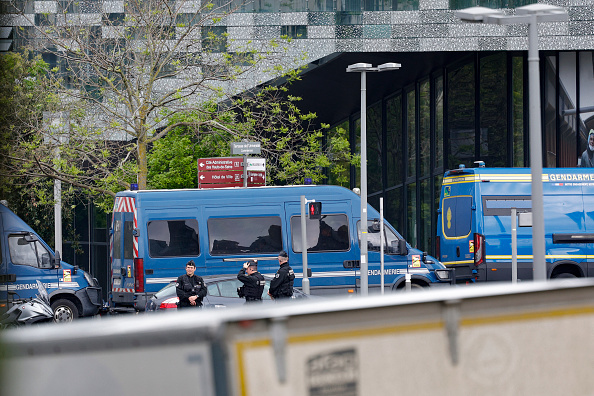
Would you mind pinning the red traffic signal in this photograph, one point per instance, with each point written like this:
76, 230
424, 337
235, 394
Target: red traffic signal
315, 210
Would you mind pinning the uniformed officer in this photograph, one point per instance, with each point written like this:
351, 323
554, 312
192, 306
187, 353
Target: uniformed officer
253, 282
282, 284
190, 288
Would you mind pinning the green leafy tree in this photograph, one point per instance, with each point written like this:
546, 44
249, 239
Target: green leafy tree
121, 88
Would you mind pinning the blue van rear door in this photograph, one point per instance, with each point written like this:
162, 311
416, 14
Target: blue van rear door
456, 228
123, 252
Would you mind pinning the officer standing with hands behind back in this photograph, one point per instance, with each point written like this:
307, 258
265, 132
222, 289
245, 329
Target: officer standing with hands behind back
190, 288
253, 282
282, 284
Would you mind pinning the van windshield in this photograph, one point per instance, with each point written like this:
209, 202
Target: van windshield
456, 216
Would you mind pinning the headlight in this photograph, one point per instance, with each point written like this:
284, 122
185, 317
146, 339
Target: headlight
443, 274
89, 278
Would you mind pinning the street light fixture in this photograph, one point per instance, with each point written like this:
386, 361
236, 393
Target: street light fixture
363, 68
530, 14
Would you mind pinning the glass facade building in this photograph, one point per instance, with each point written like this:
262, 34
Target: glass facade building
473, 109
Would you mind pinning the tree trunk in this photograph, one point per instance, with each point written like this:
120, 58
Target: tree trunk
142, 162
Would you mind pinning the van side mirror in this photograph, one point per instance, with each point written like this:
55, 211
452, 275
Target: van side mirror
30, 238
399, 247
57, 260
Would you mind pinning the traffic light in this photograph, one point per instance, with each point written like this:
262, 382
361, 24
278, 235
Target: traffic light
315, 210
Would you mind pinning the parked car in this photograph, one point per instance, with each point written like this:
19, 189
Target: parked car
222, 293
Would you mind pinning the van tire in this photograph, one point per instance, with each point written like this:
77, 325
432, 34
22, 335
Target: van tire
413, 286
64, 311
565, 275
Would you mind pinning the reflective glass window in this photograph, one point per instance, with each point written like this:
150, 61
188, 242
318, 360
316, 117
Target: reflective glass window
411, 229
117, 239
374, 148
331, 233
424, 127
245, 235
395, 154
518, 111
128, 240
438, 103
493, 110
550, 112
425, 233
586, 118
173, 238
456, 216
411, 133
32, 253
461, 113
568, 119
393, 208
374, 237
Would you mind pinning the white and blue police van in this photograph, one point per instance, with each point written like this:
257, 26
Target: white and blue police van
155, 232
474, 224
26, 258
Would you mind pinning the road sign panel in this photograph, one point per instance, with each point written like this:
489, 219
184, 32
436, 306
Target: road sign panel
244, 148
220, 177
220, 164
256, 164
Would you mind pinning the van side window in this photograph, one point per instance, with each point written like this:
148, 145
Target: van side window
31, 253
173, 238
328, 234
456, 216
501, 205
117, 239
245, 235
128, 240
374, 240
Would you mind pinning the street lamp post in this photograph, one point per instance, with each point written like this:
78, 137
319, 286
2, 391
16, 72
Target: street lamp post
530, 14
363, 68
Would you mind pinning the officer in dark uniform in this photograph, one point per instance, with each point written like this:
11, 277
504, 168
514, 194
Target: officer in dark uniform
282, 284
190, 288
253, 282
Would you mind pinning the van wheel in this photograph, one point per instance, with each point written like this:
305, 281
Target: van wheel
413, 286
565, 275
64, 311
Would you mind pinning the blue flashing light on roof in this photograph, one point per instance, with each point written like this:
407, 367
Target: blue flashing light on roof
461, 166
134, 187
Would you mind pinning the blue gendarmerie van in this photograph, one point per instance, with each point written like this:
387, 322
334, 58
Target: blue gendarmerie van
155, 232
474, 222
26, 258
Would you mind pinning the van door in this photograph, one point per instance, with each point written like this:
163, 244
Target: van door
30, 260
457, 246
237, 233
395, 264
330, 243
123, 254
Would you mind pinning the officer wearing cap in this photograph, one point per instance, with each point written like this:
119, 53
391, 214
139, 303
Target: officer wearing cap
282, 284
253, 282
190, 288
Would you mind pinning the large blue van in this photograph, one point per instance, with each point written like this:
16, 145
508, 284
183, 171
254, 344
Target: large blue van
474, 222
26, 258
155, 232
